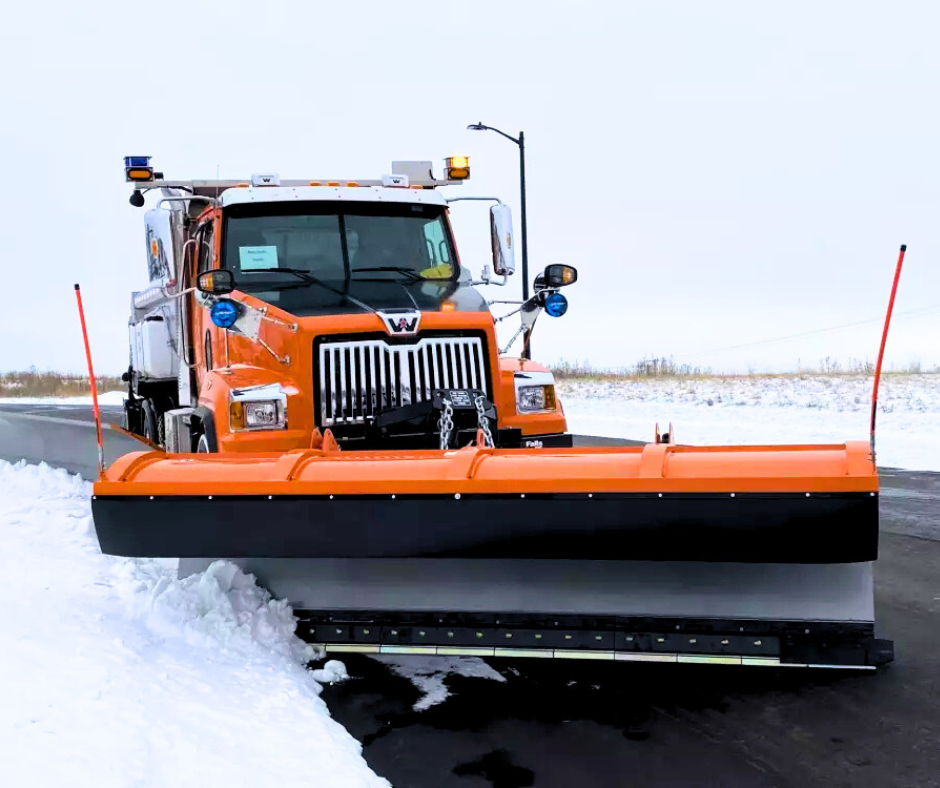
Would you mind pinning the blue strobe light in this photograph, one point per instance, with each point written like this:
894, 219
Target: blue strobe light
224, 313
556, 305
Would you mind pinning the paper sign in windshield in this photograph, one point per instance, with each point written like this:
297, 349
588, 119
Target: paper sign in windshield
257, 258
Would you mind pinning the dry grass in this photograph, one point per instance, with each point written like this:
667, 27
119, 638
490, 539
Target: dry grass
667, 368
53, 384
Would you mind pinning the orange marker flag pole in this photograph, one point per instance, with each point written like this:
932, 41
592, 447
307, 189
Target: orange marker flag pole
884, 341
91, 377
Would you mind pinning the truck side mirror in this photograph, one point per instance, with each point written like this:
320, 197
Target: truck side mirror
219, 282
559, 275
504, 261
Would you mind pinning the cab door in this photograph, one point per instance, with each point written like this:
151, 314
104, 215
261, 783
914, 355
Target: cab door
206, 336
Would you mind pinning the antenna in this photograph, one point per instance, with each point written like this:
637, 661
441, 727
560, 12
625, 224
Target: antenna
91, 377
881, 352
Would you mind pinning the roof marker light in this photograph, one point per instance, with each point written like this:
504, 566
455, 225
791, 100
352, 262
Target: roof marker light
138, 173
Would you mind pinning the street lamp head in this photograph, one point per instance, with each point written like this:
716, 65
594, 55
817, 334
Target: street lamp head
476, 127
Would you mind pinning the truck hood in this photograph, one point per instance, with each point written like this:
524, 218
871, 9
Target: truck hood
311, 299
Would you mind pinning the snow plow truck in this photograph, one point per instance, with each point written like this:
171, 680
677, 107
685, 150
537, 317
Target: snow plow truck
318, 378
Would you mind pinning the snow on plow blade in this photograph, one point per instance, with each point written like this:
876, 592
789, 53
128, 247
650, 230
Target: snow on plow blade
756, 555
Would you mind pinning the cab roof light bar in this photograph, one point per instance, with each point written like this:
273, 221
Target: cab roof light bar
407, 174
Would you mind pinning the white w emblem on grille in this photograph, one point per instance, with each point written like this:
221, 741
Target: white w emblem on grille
403, 322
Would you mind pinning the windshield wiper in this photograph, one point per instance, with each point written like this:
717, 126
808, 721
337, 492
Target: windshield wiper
415, 276
295, 271
312, 280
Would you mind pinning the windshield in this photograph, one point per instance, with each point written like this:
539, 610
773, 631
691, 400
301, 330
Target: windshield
333, 243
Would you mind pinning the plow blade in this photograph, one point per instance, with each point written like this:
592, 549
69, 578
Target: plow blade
754, 554
795, 504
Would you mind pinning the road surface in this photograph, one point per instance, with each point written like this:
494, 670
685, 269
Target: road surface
558, 724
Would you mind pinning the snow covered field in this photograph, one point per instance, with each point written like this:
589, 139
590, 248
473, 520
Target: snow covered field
104, 398
811, 408
766, 409
115, 673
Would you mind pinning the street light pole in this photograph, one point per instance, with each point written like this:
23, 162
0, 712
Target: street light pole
520, 142
525, 243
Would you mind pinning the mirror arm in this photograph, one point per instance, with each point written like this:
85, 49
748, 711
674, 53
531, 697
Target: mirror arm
521, 305
508, 314
488, 281
181, 293
505, 350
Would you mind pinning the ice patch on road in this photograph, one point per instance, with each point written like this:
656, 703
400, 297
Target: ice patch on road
116, 673
429, 673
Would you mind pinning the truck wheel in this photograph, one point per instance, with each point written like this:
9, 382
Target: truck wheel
202, 445
150, 418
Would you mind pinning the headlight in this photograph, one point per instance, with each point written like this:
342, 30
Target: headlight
248, 411
532, 398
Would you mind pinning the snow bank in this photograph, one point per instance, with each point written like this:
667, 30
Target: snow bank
115, 673
429, 674
222, 605
766, 409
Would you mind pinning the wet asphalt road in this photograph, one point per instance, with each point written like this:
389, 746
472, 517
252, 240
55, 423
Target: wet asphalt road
554, 723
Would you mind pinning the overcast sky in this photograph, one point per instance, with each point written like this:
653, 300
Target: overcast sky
720, 173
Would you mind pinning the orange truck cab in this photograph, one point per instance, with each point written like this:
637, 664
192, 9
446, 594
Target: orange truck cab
284, 313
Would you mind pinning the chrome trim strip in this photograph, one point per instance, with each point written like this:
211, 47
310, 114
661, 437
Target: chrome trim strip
618, 656
465, 651
392, 382
322, 368
461, 349
383, 392
405, 379
340, 414
710, 659
564, 653
427, 376
641, 656
361, 394
430, 650
761, 661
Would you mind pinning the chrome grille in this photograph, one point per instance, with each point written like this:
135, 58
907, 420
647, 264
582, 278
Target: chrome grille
361, 378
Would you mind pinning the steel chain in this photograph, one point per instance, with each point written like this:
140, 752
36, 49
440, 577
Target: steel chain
446, 424
483, 422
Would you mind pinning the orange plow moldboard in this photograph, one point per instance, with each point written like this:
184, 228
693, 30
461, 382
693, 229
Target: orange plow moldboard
785, 504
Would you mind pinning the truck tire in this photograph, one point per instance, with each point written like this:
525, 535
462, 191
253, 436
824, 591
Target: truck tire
150, 426
203, 432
